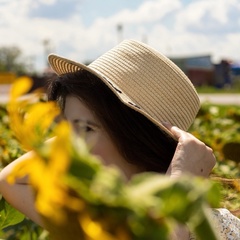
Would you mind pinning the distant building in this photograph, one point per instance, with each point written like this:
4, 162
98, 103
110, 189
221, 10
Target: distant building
235, 73
199, 69
223, 74
235, 68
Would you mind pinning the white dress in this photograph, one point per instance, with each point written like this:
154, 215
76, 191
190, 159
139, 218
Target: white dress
226, 224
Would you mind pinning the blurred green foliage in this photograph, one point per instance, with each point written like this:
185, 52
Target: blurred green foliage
217, 126
9, 147
12, 60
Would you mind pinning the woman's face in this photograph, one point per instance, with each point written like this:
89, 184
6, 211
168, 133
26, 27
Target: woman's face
86, 124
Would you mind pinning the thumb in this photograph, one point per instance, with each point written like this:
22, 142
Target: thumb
176, 132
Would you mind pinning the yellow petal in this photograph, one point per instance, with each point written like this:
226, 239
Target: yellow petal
20, 86
93, 229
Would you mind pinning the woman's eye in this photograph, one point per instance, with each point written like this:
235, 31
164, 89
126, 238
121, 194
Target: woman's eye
83, 129
88, 129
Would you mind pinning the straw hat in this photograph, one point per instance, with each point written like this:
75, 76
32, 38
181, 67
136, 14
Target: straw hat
144, 80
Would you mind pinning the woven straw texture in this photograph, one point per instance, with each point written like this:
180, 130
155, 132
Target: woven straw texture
143, 79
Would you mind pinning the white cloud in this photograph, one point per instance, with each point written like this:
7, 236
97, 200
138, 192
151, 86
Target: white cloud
206, 26
149, 11
205, 14
15, 9
47, 2
200, 27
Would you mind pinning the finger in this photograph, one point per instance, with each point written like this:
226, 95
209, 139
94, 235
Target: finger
177, 132
213, 159
167, 125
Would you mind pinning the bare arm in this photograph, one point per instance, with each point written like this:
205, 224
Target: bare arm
19, 194
191, 156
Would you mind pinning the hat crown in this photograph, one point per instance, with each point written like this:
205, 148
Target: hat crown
143, 79
151, 82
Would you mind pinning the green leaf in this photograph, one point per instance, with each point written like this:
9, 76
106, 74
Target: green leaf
201, 224
9, 215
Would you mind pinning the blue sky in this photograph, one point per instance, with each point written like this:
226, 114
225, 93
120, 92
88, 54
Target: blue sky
84, 29
88, 9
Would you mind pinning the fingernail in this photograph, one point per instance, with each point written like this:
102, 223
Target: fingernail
166, 124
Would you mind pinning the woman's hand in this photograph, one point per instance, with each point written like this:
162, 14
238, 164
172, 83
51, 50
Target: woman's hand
191, 155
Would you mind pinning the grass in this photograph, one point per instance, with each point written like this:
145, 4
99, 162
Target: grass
215, 90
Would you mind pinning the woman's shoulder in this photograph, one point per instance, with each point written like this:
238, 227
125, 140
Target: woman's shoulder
226, 224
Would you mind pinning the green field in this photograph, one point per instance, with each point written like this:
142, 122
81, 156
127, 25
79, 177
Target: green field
218, 126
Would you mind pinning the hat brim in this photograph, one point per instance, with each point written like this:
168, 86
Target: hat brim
61, 65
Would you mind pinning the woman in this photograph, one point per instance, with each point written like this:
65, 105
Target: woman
125, 104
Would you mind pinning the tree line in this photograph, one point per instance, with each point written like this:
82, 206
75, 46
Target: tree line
12, 60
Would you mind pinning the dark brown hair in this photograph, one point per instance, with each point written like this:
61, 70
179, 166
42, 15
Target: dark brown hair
139, 140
